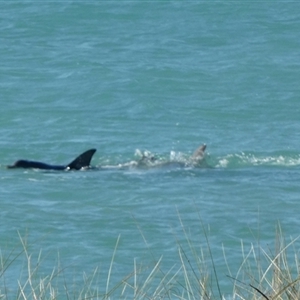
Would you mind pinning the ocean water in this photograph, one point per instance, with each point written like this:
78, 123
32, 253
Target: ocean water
158, 76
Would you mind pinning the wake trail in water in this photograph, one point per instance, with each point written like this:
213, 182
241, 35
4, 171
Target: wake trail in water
241, 160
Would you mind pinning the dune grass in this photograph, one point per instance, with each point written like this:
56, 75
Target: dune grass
270, 274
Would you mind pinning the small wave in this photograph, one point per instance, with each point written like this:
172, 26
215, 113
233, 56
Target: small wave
251, 159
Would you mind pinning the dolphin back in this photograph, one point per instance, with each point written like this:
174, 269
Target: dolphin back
82, 161
26, 164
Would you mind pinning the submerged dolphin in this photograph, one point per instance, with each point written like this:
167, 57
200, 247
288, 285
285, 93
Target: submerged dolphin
149, 160
82, 161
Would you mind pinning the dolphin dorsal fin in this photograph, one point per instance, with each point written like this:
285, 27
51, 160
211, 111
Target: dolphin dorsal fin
199, 153
82, 161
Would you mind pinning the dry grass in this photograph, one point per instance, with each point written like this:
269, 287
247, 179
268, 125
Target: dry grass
263, 274
275, 275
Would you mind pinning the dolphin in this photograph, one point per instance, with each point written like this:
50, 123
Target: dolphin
82, 161
149, 160
198, 155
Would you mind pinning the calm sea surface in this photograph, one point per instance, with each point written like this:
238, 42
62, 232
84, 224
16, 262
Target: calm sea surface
159, 76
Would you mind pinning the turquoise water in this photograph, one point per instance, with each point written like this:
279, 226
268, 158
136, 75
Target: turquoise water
158, 76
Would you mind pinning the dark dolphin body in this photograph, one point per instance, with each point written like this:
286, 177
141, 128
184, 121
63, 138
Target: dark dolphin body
82, 161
